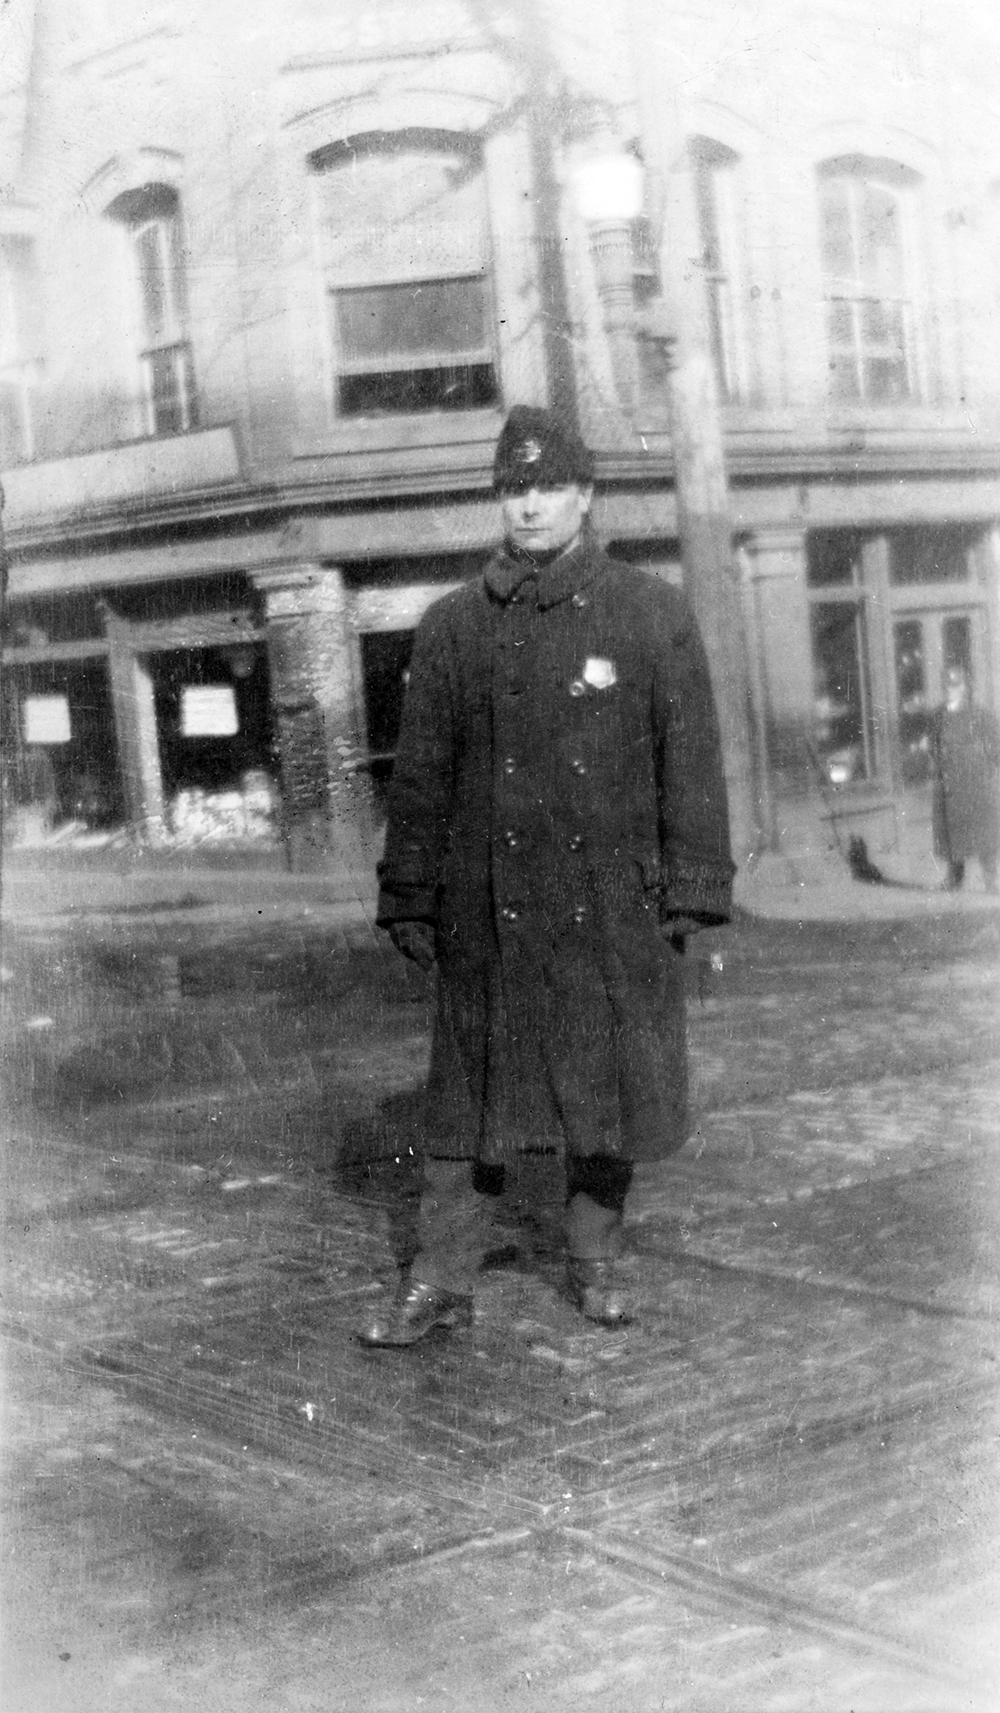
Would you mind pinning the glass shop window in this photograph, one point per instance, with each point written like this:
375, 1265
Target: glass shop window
941, 555
385, 661
410, 307
843, 737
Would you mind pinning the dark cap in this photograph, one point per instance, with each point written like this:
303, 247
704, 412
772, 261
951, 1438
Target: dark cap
535, 451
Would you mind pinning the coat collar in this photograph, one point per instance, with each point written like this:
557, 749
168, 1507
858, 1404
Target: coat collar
573, 570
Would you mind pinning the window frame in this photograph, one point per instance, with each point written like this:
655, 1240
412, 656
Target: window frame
858, 175
342, 283
713, 167
164, 343
18, 370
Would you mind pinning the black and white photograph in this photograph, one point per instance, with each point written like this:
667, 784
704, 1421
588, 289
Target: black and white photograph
499, 847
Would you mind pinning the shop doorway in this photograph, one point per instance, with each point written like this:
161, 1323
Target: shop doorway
61, 774
926, 646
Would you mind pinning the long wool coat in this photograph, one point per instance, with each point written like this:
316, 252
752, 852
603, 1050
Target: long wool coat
557, 794
966, 747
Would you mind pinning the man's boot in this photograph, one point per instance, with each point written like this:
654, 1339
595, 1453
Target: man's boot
593, 1240
416, 1309
454, 1231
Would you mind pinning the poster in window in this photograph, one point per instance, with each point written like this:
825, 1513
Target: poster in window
46, 719
208, 711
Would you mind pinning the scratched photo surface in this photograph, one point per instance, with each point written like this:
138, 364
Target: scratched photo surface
500, 825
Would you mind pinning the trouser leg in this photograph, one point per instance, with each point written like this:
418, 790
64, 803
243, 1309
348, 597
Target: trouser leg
596, 1187
455, 1225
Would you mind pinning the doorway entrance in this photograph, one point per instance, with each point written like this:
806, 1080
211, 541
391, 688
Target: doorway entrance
926, 646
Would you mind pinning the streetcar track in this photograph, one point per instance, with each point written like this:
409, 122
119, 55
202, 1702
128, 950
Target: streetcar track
495, 1530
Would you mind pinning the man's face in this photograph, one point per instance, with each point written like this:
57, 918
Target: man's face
544, 520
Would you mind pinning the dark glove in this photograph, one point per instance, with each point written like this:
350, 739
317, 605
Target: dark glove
677, 928
416, 941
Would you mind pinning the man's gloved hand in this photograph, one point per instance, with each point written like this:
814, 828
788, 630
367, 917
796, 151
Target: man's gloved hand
416, 941
679, 927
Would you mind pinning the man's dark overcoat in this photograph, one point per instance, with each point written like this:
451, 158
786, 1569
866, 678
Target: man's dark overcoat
557, 793
965, 743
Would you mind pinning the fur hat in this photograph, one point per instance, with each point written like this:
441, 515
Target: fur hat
535, 451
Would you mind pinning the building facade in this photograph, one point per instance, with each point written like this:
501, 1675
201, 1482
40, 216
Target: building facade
268, 284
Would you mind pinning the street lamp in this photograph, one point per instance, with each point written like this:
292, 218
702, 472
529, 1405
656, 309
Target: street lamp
609, 190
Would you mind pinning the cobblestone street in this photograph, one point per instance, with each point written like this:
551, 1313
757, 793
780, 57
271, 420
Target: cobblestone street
778, 1490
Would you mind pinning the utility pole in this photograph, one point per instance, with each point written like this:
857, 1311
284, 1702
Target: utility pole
704, 522
528, 52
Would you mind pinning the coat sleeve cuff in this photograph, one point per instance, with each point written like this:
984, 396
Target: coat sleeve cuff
406, 904
698, 888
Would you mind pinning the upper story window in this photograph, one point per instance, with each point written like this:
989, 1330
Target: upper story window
865, 219
713, 169
19, 350
405, 251
152, 216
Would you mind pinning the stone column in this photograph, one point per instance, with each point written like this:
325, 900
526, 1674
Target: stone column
774, 562
317, 696
134, 712
778, 619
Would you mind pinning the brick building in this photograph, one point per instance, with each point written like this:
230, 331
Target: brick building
270, 277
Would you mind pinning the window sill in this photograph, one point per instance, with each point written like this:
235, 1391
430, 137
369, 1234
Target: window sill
353, 435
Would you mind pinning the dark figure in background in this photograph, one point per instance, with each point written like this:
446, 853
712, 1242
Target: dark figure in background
557, 825
965, 744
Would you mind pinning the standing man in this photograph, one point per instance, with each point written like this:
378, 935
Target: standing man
965, 745
557, 826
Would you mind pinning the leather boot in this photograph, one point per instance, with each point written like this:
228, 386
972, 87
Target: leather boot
593, 1279
599, 1292
415, 1311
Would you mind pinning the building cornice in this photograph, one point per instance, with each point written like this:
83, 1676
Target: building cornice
136, 522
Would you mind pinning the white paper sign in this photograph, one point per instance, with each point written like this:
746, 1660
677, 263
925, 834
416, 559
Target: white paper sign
208, 711
46, 719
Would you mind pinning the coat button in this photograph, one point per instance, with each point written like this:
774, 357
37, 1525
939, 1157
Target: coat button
579, 601
509, 765
508, 913
578, 687
579, 914
510, 838
578, 766
575, 843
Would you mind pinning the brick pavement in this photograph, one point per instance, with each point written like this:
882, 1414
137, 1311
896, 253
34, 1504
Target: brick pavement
777, 1491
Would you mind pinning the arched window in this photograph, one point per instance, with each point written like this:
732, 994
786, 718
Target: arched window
151, 214
713, 170
405, 255
865, 219
20, 349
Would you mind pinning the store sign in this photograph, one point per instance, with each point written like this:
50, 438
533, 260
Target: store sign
46, 719
208, 711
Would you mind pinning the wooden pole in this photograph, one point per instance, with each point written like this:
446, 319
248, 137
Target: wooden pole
711, 573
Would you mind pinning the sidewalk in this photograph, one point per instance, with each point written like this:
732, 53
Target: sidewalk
45, 883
